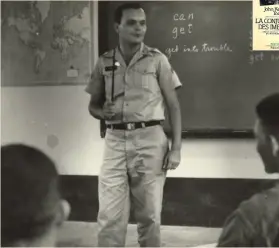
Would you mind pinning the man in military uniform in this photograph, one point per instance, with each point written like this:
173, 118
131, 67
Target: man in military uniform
256, 221
129, 88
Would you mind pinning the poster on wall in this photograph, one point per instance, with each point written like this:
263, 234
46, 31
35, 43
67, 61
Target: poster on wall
46, 42
266, 25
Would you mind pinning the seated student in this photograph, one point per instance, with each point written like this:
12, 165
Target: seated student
31, 207
256, 221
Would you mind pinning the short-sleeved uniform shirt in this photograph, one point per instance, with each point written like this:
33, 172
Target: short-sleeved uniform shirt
137, 94
255, 223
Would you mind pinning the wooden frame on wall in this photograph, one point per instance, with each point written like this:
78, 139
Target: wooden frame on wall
95, 31
102, 44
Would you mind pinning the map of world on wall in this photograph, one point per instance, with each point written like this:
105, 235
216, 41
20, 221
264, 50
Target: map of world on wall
46, 42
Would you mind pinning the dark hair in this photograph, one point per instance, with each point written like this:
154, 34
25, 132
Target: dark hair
119, 11
29, 193
268, 110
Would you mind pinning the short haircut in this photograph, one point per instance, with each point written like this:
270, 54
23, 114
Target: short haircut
120, 9
29, 193
268, 110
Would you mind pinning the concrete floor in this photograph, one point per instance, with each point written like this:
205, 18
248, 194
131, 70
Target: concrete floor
83, 234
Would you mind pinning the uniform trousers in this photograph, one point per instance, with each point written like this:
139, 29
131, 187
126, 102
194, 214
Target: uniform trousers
132, 173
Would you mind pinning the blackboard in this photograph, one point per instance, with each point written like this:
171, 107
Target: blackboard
220, 88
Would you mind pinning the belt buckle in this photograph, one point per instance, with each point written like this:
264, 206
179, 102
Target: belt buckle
131, 126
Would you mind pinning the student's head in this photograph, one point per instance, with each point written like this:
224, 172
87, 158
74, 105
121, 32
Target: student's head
31, 207
130, 23
267, 132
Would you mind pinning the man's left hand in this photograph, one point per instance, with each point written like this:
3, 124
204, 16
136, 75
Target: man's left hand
172, 160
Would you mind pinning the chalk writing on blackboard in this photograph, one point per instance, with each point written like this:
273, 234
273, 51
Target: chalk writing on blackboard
219, 48
181, 17
204, 48
184, 26
275, 57
181, 30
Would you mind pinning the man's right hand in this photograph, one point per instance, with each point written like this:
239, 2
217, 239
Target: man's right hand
108, 111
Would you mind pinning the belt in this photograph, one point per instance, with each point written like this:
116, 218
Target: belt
133, 125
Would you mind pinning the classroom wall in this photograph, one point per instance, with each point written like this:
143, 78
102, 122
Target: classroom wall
56, 119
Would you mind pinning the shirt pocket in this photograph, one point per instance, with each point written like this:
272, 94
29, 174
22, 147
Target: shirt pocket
118, 82
146, 78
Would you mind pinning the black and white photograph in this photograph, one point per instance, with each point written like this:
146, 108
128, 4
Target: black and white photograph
137, 124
